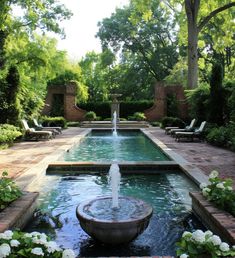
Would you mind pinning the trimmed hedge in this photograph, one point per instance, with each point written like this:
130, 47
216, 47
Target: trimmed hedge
172, 121
127, 108
54, 121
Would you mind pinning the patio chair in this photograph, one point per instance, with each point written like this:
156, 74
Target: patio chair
188, 128
198, 133
30, 133
54, 129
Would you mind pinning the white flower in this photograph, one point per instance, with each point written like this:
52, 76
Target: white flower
29, 235
37, 251
38, 240
203, 185
68, 253
208, 233
183, 256
198, 236
215, 240
229, 188
52, 247
205, 191
233, 247
213, 174
224, 247
220, 185
14, 243
186, 233
5, 250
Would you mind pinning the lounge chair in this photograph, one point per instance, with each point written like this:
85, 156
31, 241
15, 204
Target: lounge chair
198, 133
54, 129
30, 133
188, 128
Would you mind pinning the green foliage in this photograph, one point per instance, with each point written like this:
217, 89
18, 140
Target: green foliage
215, 112
220, 192
172, 105
199, 243
8, 133
20, 244
172, 121
101, 109
54, 121
9, 191
128, 108
231, 104
223, 136
198, 102
73, 124
90, 116
137, 116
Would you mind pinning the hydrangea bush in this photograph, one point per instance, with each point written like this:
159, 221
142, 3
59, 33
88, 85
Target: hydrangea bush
220, 192
31, 245
9, 191
192, 245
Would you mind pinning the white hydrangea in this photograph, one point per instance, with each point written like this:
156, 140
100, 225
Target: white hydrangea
6, 235
229, 188
186, 233
208, 233
203, 185
220, 185
198, 236
205, 191
68, 253
184, 256
224, 247
52, 247
214, 174
14, 243
215, 240
5, 250
37, 251
38, 240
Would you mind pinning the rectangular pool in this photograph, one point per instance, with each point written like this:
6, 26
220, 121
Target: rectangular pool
103, 146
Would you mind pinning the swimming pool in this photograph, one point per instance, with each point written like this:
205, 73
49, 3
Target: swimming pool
102, 146
166, 192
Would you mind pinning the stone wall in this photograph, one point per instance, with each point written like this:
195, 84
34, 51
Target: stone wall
159, 109
71, 111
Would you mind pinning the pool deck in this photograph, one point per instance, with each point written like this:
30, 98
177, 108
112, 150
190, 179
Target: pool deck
24, 159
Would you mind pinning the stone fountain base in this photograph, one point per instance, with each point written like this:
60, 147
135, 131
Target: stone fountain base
113, 229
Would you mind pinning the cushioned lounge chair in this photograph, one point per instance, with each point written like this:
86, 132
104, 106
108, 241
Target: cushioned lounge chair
198, 133
188, 128
54, 129
30, 133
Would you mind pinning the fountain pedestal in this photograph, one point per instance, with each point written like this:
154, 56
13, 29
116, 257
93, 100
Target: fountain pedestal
115, 106
112, 228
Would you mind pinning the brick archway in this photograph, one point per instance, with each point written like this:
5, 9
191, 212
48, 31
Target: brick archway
67, 94
159, 109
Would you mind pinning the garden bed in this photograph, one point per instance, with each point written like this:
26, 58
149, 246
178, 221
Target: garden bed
219, 221
17, 214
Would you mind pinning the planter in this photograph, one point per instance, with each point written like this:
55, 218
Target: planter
219, 221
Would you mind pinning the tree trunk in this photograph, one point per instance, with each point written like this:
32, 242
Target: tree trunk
191, 8
192, 56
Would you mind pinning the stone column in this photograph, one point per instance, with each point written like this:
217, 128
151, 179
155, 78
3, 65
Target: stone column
115, 106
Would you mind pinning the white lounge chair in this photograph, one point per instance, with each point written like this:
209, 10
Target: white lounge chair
55, 129
30, 133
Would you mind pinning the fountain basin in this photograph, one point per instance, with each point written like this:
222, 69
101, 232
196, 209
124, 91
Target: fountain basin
113, 227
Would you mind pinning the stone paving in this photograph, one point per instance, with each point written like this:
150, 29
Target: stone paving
24, 155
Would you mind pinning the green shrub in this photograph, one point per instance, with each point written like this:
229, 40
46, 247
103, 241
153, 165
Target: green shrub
73, 124
222, 136
172, 121
8, 133
102, 109
90, 116
9, 191
138, 116
54, 121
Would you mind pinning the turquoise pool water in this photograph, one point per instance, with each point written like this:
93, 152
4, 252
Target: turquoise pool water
102, 146
166, 192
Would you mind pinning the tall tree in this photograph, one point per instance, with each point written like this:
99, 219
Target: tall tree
36, 14
198, 14
153, 41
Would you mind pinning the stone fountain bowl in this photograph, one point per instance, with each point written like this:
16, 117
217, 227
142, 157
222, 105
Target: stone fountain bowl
114, 228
